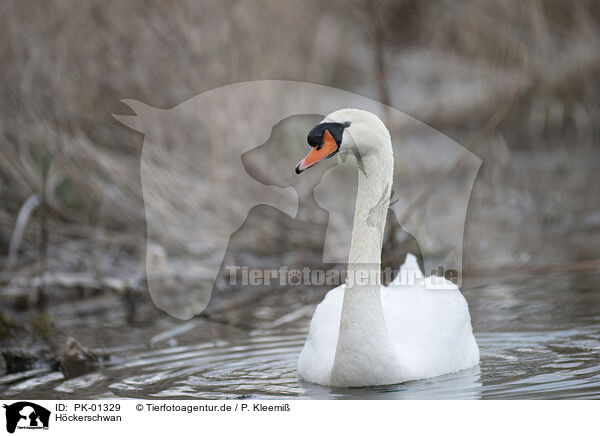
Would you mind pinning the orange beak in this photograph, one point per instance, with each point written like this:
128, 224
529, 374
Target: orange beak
317, 154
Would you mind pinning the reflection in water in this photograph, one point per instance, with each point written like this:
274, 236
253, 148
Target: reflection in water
465, 385
562, 364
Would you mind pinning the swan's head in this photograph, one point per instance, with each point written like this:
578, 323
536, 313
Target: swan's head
345, 131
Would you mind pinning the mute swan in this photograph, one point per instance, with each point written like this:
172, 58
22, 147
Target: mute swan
362, 333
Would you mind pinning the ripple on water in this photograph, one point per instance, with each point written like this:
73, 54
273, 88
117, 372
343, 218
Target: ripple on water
560, 364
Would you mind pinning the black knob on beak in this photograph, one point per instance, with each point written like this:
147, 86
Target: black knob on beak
314, 139
315, 136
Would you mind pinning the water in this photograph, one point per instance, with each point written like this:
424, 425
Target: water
542, 341
560, 364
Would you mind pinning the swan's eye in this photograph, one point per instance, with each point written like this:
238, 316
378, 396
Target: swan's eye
347, 124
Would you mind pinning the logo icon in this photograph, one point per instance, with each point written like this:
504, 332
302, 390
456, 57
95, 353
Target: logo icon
26, 415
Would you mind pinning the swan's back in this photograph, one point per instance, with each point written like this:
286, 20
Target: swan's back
429, 328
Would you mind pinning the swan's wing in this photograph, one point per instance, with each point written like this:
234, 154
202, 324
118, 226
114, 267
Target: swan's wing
430, 328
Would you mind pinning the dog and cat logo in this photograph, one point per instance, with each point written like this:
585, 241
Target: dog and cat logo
26, 415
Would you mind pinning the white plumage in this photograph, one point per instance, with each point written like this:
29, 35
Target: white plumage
364, 334
430, 330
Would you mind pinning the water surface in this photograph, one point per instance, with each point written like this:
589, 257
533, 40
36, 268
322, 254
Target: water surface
538, 339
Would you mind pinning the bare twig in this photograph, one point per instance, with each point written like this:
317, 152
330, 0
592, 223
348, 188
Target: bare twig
379, 58
22, 219
77, 280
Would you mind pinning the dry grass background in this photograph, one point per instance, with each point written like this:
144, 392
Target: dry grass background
71, 172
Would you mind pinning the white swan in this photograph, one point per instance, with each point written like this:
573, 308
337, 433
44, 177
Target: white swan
364, 334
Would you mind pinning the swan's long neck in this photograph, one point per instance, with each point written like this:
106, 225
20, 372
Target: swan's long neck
364, 351
372, 202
